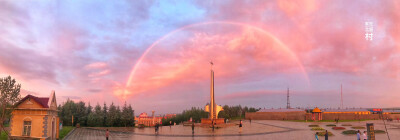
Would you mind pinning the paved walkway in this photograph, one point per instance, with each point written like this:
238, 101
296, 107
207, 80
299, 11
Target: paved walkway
263, 129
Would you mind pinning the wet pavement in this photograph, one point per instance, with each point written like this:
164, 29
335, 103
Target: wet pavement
258, 129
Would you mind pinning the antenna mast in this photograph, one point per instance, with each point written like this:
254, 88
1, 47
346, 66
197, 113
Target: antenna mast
288, 101
341, 96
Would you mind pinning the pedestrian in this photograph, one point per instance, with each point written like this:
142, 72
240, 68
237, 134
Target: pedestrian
358, 135
397, 119
156, 128
227, 120
316, 135
212, 125
250, 120
192, 128
365, 137
326, 135
170, 123
240, 126
107, 134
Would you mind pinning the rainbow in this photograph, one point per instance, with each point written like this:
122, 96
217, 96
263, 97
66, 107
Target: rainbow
291, 53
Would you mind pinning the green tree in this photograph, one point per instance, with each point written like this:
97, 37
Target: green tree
105, 111
95, 118
131, 116
69, 109
125, 116
112, 115
88, 112
80, 113
117, 119
9, 96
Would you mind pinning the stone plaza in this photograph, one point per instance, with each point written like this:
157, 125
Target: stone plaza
257, 129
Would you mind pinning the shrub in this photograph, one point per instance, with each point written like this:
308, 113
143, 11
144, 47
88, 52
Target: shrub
323, 134
338, 128
349, 132
379, 131
313, 125
346, 125
358, 127
317, 128
331, 125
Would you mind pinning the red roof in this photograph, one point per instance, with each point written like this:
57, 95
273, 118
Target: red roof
41, 100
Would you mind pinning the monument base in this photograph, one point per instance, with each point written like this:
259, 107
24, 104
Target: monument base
216, 121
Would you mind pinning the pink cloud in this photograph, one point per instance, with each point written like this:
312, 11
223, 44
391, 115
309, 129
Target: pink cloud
240, 52
250, 94
101, 73
96, 65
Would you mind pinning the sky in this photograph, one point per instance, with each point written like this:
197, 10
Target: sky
155, 55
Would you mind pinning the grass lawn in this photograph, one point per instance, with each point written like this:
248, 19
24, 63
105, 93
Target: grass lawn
65, 130
317, 128
237, 118
3, 136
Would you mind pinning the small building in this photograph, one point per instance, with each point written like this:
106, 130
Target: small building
361, 111
391, 111
316, 114
167, 116
146, 120
277, 114
35, 118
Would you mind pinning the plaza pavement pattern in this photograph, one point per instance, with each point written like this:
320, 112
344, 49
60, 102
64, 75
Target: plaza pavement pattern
258, 129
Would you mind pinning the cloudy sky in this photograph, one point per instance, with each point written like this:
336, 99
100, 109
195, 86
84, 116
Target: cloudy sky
155, 54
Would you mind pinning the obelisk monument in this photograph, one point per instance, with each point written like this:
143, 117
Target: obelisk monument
212, 101
212, 108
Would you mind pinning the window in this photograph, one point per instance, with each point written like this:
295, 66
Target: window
27, 128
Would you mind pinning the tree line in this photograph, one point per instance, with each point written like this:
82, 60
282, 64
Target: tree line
229, 112
106, 116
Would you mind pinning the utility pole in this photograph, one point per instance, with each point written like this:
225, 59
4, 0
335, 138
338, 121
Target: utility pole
341, 96
288, 101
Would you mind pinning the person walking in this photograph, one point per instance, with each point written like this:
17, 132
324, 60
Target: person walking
326, 135
358, 135
240, 126
170, 123
192, 128
107, 134
156, 128
316, 135
212, 125
365, 137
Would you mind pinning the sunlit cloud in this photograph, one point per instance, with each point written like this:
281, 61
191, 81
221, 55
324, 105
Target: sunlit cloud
158, 52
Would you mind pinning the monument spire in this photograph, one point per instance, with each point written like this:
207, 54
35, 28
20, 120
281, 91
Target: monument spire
212, 108
212, 102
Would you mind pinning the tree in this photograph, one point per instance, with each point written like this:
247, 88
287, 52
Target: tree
98, 115
69, 110
80, 113
125, 115
111, 115
131, 116
104, 114
9, 96
95, 118
117, 119
88, 113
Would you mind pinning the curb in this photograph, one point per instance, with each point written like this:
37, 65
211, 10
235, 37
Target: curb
66, 137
